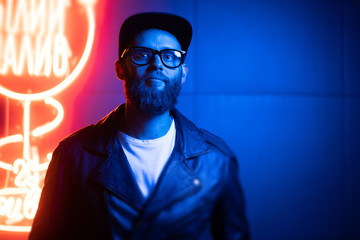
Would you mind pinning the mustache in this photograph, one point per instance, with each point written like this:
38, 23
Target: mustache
157, 75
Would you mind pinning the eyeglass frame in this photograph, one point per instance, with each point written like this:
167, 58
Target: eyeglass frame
154, 52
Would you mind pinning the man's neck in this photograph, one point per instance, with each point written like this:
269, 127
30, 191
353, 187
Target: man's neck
144, 126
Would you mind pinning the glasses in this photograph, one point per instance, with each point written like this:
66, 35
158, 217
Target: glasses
171, 58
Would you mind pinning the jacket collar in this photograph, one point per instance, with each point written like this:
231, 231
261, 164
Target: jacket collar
104, 133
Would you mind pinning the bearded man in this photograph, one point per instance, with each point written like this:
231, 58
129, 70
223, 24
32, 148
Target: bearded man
144, 171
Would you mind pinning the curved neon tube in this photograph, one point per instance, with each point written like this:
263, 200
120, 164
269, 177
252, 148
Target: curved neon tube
64, 84
11, 139
53, 124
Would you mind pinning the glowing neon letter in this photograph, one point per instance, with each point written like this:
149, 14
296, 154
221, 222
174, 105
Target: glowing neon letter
25, 52
9, 55
43, 60
31, 203
61, 54
2, 19
37, 18
57, 16
20, 169
13, 212
20, 17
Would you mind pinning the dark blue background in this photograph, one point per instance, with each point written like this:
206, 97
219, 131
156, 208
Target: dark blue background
279, 81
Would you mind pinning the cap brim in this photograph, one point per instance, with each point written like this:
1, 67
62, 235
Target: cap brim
176, 25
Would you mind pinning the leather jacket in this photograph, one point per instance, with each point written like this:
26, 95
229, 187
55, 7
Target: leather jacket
90, 192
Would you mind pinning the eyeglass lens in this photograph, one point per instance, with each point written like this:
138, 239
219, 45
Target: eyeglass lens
170, 58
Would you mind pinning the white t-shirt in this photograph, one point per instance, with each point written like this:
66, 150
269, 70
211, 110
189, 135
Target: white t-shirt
147, 158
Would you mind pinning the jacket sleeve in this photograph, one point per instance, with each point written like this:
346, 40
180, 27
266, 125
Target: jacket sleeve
229, 219
54, 206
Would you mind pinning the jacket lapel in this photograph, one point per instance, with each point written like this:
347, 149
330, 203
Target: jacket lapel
178, 180
115, 175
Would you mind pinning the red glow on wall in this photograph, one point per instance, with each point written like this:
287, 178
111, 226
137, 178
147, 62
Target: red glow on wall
44, 45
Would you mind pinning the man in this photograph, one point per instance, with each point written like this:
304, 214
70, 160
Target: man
144, 171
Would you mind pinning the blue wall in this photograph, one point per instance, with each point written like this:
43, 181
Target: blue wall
279, 81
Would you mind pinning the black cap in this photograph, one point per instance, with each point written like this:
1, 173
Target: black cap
176, 25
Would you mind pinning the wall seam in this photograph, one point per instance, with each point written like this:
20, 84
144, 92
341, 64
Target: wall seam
343, 128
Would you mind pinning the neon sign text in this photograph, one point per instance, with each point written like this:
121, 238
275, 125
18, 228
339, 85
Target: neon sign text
35, 44
20, 202
37, 26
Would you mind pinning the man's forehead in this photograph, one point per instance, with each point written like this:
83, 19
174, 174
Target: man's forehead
156, 38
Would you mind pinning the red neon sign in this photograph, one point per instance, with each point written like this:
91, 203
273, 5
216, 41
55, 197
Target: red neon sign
39, 57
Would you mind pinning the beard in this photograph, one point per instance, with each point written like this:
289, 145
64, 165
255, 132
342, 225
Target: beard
150, 100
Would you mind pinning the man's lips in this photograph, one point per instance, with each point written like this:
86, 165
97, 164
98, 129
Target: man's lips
155, 82
155, 79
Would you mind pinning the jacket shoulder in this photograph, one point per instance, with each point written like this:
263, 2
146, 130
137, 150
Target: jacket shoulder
216, 142
78, 136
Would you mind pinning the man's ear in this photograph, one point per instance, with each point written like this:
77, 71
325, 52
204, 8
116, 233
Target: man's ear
185, 70
119, 70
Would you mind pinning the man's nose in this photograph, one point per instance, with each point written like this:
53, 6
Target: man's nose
156, 62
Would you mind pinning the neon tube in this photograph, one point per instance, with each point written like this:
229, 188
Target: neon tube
70, 79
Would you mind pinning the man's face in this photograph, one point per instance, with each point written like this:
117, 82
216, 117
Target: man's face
153, 88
